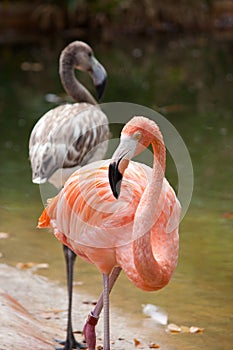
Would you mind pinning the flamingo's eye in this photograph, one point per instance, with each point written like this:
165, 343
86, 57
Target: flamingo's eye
138, 135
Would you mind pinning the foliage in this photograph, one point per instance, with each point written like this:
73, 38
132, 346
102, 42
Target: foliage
121, 15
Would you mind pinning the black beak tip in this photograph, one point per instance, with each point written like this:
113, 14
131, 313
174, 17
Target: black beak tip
115, 178
100, 88
116, 194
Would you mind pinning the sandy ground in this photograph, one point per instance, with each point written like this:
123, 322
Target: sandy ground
33, 313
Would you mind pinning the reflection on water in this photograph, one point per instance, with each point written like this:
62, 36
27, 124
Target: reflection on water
190, 82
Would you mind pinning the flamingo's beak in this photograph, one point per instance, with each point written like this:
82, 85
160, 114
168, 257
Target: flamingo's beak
100, 89
115, 178
120, 161
99, 77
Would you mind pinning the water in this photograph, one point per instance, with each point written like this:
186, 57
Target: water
188, 80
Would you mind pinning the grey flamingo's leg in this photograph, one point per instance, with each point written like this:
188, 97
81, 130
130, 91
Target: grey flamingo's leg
106, 312
89, 328
70, 342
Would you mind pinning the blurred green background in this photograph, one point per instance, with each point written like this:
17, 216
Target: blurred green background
174, 58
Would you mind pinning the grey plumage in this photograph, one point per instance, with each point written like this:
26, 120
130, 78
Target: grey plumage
71, 135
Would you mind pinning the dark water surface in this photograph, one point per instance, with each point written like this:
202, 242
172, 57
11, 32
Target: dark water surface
189, 81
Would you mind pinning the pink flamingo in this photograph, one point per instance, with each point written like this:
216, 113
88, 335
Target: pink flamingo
138, 232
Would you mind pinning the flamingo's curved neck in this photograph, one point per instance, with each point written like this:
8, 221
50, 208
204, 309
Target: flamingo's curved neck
72, 86
150, 261
147, 208
154, 187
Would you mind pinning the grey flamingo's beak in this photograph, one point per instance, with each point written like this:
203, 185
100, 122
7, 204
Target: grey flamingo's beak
99, 76
100, 89
115, 178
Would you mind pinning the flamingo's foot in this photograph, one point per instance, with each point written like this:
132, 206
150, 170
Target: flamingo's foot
89, 331
70, 344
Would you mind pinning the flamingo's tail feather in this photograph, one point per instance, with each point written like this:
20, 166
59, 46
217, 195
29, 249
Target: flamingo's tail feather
48, 213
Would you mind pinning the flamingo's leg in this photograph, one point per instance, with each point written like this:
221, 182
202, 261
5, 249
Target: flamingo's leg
70, 342
112, 279
89, 328
106, 311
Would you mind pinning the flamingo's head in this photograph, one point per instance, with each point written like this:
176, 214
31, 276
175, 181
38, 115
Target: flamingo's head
136, 135
79, 55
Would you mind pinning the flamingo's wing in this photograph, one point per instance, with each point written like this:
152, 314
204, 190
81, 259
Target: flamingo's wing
65, 137
87, 211
86, 217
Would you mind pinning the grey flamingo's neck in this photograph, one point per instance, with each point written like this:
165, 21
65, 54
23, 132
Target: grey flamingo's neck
70, 83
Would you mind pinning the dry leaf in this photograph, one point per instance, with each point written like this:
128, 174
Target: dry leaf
136, 342
154, 346
196, 330
4, 235
173, 328
31, 265
25, 266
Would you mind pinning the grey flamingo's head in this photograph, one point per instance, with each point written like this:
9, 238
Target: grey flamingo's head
80, 55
